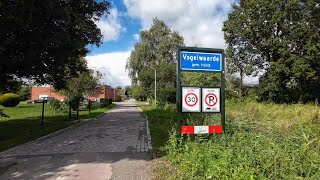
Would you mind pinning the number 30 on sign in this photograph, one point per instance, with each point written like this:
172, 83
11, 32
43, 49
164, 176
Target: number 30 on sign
191, 99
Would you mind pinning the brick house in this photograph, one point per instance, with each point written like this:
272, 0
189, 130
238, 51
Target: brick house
38, 92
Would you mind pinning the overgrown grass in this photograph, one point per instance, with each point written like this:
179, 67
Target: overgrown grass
262, 141
24, 123
161, 120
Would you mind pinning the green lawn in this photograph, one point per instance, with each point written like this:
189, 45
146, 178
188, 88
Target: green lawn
24, 123
262, 141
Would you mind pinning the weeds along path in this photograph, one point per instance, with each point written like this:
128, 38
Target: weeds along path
262, 141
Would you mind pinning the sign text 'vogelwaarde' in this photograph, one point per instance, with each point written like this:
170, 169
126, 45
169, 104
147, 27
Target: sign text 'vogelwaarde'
200, 61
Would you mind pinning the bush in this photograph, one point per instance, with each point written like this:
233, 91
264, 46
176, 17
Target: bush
106, 101
98, 105
2, 114
58, 106
231, 94
251, 94
25, 93
139, 92
167, 95
9, 100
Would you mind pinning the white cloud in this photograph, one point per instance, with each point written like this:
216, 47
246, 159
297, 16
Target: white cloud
199, 21
112, 65
136, 37
110, 26
251, 80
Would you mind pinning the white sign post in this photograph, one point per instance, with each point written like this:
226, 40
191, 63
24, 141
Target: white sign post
210, 99
191, 99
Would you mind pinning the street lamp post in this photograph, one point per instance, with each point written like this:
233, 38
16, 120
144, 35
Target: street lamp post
155, 85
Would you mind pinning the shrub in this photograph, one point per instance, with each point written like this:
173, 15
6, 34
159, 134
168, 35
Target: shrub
9, 100
97, 105
25, 93
106, 101
58, 106
231, 94
167, 95
2, 114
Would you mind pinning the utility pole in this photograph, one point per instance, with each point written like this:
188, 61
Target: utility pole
155, 86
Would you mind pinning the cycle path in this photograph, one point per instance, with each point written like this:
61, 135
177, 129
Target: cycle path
115, 146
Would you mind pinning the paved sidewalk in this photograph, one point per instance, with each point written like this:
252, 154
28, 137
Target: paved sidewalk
113, 146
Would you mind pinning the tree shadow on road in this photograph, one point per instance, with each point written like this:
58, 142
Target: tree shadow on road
100, 165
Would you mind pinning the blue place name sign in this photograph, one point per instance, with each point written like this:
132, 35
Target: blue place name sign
200, 61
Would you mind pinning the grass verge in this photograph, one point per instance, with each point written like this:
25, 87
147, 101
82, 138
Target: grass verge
24, 123
262, 141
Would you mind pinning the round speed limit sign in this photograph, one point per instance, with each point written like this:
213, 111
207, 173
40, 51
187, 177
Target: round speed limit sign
190, 99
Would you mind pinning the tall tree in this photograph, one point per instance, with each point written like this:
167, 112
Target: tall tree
284, 34
43, 40
156, 50
10, 86
239, 59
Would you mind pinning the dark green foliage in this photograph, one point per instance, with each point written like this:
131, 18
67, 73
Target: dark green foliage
2, 114
200, 79
251, 93
106, 101
240, 59
43, 39
103, 105
231, 94
284, 39
25, 93
8, 84
166, 96
86, 84
58, 106
9, 100
97, 105
74, 101
138, 92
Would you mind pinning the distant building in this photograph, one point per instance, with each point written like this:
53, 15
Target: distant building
38, 92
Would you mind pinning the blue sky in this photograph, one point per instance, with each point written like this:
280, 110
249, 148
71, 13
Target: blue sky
125, 40
198, 21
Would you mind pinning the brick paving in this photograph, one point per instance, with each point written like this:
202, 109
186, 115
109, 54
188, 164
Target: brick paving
122, 129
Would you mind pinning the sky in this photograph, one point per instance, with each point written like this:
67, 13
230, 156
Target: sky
198, 21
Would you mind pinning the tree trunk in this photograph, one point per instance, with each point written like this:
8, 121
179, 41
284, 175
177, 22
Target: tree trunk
78, 110
241, 82
69, 112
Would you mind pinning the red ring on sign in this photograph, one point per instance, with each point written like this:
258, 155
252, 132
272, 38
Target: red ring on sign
185, 99
205, 100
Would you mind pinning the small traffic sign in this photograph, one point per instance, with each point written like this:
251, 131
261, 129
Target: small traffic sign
190, 99
210, 99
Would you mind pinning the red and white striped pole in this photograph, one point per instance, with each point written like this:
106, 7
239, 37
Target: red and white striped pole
201, 129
